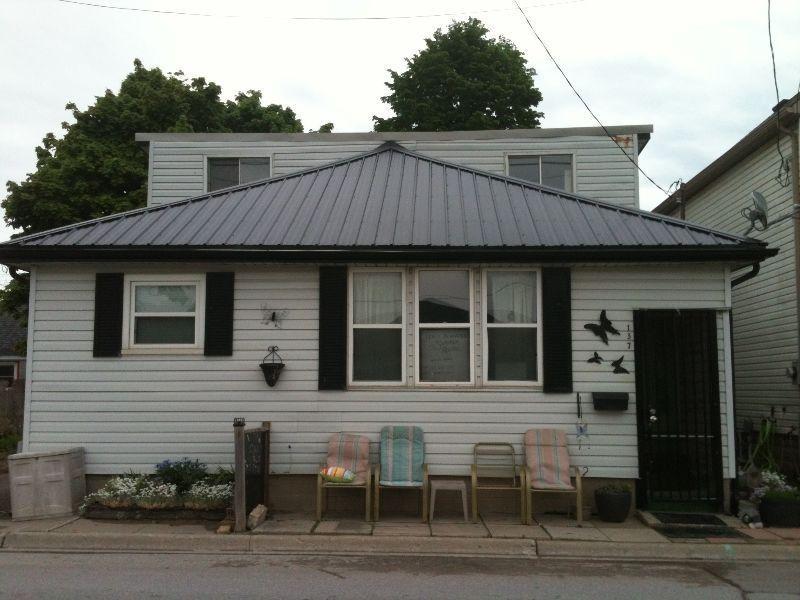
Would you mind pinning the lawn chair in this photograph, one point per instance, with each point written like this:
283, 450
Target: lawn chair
547, 468
402, 464
494, 468
351, 452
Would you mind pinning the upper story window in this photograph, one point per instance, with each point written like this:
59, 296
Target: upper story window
224, 172
163, 312
553, 170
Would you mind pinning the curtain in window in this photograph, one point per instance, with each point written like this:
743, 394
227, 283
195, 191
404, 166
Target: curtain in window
377, 298
511, 297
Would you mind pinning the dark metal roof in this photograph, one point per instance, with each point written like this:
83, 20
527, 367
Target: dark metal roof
387, 201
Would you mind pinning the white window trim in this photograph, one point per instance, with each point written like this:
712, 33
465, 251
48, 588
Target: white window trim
509, 155
471, 326
402, 327
128, 347
234, 153
485, 327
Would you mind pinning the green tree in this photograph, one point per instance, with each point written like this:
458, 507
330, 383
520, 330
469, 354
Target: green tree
96, 168
463, 80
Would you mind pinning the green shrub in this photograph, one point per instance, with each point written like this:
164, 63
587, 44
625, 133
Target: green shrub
790, 494
183, 474
222, 476
8, 443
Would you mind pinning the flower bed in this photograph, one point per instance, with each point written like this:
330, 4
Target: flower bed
177, 490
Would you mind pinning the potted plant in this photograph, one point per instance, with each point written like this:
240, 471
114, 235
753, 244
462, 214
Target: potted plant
613, 502
779, 502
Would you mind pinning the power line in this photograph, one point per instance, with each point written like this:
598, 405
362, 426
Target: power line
783, 176
591, 112
304, 18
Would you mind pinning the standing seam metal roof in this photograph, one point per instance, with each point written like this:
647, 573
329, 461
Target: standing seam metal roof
386, 198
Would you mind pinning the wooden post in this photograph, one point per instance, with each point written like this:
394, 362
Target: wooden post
239, 497
267, 425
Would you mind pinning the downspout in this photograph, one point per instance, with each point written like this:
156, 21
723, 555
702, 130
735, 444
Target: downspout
754, 269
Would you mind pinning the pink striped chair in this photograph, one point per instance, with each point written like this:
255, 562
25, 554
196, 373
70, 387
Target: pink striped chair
547, 468
350, 451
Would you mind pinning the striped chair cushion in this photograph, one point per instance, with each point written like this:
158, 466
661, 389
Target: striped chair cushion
547, 459
349, 451
402, 456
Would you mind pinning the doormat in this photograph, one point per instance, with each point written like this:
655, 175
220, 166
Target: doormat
694, 532
674, 518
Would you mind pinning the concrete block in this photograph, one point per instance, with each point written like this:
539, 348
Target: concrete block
344, 527
575, 533
257, 516
116, 541
469, 530
630, 534
517, 530
287, 526
224, 528
401, 529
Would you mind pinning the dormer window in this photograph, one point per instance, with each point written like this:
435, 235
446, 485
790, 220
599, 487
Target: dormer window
552, 170
225, 172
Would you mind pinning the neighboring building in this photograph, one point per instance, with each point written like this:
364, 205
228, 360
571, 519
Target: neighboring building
12, 354
400, 288
765, 308
578, 159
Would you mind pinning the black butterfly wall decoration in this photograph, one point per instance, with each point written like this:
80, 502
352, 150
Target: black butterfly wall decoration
618, 368
596, 359
603, 329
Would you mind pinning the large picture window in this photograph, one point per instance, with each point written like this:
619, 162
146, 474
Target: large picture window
511, 326
377, 326
444, 326
163, 312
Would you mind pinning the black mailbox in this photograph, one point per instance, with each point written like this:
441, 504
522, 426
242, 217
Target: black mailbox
610, 400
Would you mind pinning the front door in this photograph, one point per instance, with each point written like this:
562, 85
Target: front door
678, 412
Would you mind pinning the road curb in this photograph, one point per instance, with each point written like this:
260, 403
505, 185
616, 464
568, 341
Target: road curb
30, 540
342, 545
666, 551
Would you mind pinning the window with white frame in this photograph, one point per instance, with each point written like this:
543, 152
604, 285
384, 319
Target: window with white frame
163, 311
444, 326
553, 170
225, 172
511, 328
377, 325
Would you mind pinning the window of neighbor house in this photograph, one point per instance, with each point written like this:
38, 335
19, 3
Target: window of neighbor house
163, 312
228, 171
7, 372
553, 170
444, 326
512, 340
377, 326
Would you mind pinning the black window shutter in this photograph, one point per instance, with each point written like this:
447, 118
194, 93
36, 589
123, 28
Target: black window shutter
332, 328
219, 314
108, 292
557, 330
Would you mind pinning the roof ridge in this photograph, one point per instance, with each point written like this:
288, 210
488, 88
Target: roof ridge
391, 146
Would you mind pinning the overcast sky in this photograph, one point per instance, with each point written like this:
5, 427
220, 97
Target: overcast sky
698, 70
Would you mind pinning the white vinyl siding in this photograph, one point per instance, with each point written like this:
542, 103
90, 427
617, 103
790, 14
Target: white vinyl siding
602, 171
134, 411
765, 327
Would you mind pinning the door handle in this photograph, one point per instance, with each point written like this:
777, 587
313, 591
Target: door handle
653, 416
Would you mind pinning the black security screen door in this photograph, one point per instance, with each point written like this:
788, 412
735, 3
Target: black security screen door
678, 416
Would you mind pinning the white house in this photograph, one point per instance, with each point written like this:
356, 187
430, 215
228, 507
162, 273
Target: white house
765, 308
400, 286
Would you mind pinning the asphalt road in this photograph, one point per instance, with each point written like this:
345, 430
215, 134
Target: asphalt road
43, 576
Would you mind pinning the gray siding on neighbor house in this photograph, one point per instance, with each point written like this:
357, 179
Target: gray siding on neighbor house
602, 171
765, 327
134, 411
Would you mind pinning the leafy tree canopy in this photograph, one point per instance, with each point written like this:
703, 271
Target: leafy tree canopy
463, 80
97, 168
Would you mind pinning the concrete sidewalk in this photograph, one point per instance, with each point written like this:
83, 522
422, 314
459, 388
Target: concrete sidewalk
501, 539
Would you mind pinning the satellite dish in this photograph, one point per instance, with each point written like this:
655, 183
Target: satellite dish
756, 214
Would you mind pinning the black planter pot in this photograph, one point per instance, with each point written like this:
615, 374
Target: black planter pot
271, 372
613, 507
780, 512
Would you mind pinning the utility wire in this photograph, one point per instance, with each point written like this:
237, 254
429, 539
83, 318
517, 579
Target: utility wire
784, 170
591, 112
311, 18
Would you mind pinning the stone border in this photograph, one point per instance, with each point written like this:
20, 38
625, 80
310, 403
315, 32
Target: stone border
97, 511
